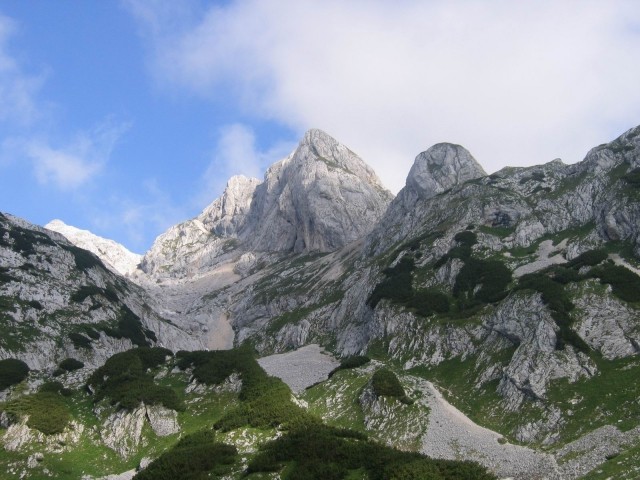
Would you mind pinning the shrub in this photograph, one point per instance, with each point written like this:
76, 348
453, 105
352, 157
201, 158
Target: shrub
385, 383
589, 258
313, 451
633, 177
428, 302
193, 457
79, 340
12, 372
124, 380
625, 284
556, 298
83, 258
466, 237
71, 364
492, 276
129, 326
46, 409
397, 284
354, 361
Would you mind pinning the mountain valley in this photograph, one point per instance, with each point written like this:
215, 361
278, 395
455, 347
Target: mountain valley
478, 318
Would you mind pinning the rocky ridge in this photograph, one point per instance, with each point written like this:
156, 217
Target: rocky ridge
110, 252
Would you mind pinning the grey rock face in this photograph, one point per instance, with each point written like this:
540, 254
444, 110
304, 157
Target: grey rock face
320, 198
439, 168
227, 214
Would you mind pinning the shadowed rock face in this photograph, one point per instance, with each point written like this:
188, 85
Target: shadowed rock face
320, 198
439, 168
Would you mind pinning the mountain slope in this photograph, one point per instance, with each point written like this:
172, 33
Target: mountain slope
59, 301
515, 293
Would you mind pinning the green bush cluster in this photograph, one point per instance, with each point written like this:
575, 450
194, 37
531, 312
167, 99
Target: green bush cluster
90, 290
129, 326
265, 401
625, 284
397, 283
124, 380
79, 340
555, 297
465, 240
22, 240
385, 383
492, 276
353, 361
587, 259
12, 372
397, 287
314, 451
71, 364
5, 276
46, 409
196, 456
633, 177
84, 259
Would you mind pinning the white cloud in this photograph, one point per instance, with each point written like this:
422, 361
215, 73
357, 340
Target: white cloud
515, 82
73, 165
135, 221
18, 89
236, 153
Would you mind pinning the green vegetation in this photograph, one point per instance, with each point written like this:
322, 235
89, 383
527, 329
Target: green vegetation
397, 284
196, 456
625, 284
556, 298
84, 259
124, 380
46, 409
397, 287
354, 361
633, 177
385, 383
23, 240
608, 398
587, 259
5, 276
312, 451
129, 326
12, 372
498, 231
79, 340
492, 276
71, 364
265, 401
90, 290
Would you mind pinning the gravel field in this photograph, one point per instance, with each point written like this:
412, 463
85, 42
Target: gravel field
452, 435
301, 368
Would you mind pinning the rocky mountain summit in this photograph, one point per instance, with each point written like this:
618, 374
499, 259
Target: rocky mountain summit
112, 253
318, 199
516, 293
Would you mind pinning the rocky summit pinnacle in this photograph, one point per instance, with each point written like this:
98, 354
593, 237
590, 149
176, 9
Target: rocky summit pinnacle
319, 198
441, 167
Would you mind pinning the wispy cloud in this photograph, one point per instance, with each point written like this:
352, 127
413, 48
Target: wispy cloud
134, 220
236, 153
18, 89
72, 165
516, 82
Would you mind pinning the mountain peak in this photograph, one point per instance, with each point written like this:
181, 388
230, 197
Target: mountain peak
115, 255
441, 167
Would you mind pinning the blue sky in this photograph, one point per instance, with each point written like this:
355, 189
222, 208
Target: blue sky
125, 117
